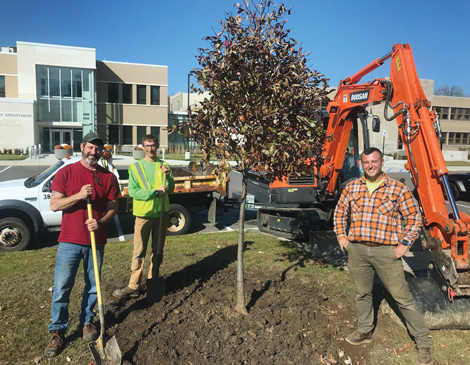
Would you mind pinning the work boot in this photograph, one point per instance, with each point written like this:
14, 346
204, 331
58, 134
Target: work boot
89, 332
55, 344
424, 356
358, 338
126, 293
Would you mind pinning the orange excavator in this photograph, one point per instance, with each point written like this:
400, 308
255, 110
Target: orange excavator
299, 207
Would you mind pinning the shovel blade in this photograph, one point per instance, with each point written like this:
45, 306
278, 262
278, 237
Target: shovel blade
110, 355
155, 289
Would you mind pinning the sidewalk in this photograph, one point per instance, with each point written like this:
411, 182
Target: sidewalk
49, 159
121, 161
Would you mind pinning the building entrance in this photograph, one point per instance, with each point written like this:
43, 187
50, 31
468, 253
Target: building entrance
60, 136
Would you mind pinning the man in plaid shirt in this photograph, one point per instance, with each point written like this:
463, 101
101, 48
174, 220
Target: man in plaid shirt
369, 225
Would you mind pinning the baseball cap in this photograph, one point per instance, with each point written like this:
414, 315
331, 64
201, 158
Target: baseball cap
93, 137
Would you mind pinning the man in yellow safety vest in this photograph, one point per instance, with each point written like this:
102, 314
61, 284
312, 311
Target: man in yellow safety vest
149, 193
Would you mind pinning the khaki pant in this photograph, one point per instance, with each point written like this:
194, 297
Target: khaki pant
142, 230
363, 262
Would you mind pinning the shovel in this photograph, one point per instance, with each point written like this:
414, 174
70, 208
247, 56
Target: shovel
156, 285
109, 354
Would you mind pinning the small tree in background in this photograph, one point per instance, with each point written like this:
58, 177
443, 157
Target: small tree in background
264, 102
449, 91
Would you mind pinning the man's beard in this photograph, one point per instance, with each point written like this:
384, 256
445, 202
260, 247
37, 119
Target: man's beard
90, 162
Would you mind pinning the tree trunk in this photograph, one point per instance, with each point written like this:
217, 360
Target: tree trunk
241, 305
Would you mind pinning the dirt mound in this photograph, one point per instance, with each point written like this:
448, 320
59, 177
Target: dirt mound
292, 319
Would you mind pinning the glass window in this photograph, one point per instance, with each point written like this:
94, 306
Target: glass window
113, 94
457, 139
460, 114
88, 84
66, 83
127, 134
54, 82
66, 110
156, 132
443, 138
464, 138
141, 132
43, 110
113, 134
466, 115
442, 112
127, 94
77, 83
56, 87
155, 95
2, 86
77, 139
43, 81
77, 111
55, 110
46, 142
141, 94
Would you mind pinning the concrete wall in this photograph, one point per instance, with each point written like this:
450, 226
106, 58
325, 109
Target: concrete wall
17, 123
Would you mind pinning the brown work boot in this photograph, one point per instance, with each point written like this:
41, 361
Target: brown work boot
126, 293
424, 356
55, 344
89, 332
358, 338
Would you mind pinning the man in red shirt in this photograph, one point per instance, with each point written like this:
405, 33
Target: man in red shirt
70, 189
376, 221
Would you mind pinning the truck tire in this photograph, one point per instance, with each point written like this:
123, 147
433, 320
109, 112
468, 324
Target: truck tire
179, 220
14, 235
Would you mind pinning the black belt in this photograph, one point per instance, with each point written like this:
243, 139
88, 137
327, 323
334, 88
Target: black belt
368, 243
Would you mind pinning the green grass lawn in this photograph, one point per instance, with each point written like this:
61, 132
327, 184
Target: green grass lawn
28, 276
13, 157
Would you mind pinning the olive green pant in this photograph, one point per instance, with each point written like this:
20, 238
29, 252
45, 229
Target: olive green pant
142, 229
363, 262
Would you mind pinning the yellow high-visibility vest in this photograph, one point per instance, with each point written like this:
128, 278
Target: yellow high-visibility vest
151, 207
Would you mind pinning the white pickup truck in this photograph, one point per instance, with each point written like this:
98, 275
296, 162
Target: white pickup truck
24, 207
25, 212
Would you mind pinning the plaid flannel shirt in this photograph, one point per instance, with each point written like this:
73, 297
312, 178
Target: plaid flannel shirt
377, 217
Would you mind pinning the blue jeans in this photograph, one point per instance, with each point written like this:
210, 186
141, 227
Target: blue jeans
68, 260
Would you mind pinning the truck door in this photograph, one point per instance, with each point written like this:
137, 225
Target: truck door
50, 218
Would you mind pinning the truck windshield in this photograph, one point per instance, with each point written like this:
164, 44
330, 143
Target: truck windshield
38, 179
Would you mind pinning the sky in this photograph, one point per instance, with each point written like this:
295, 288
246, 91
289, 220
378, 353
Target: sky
343, 36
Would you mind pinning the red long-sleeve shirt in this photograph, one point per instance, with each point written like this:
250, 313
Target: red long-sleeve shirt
387, 216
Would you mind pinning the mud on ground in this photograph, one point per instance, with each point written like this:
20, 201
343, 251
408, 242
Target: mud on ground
292, 319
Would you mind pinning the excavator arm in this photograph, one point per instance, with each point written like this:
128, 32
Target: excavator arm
418, 127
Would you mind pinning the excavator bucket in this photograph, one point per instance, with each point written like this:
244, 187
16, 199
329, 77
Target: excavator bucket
439, 312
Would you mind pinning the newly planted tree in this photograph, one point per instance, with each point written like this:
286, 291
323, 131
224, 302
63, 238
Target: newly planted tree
264, 102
